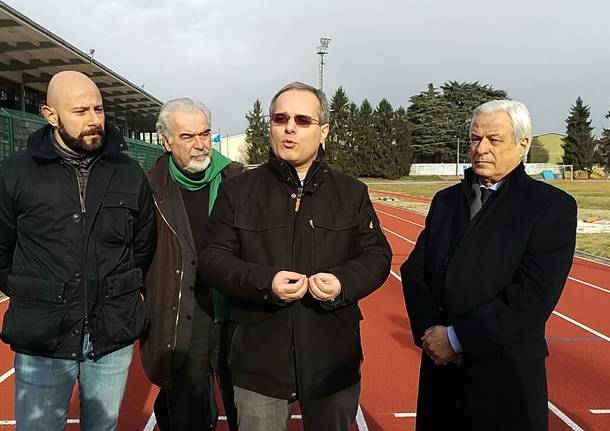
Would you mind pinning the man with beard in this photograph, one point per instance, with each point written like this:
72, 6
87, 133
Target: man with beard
296, 245
77, 233
187, 339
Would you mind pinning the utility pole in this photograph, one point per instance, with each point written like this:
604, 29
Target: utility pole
322, 51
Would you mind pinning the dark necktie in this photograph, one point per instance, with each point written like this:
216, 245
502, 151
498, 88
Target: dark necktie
486, 194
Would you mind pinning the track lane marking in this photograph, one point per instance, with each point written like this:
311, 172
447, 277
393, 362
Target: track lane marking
588, 284
600, 412
565, 419
6, 422
398, 235
405, 415
362, 426
400, 218
6, 375
582, 326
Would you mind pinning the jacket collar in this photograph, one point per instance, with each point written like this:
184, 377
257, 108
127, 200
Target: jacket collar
286, 173
517, 174
40, 144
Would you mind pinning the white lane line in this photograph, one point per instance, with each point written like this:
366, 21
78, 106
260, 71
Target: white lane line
400, 218
362, 426
399, 236
405, 415
4, 299
6, 375
580, 325
396, 275
601, 412
590, 260
152, 421
589, 284
561, 415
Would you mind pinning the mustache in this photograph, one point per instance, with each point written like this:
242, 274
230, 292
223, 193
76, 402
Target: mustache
203, 153
93, 131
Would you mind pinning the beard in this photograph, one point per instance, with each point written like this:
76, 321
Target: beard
78, 144
196, 166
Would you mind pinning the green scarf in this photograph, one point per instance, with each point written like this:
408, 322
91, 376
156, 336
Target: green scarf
212, 177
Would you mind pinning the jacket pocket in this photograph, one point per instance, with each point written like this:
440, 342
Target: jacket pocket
122, 316
36, 313
116, 217
262, 237
335, 234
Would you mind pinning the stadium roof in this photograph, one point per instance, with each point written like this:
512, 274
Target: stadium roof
31, 55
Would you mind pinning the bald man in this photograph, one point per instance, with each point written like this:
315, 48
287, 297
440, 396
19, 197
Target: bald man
77, 233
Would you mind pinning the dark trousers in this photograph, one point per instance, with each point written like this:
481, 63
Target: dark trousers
190, 403
335, 412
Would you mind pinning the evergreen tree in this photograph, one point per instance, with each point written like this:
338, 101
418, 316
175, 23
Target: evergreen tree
364, 137
403, 156
338, 151
604, 147
578, 144
257, 135
440, 117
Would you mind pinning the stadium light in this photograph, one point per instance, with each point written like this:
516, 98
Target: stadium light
322, 51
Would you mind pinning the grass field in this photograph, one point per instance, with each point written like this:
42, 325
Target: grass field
592, 197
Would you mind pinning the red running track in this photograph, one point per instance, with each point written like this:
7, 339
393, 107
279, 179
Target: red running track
578, 335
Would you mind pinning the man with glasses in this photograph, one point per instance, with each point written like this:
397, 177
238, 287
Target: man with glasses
482, 281
295, 244
187, 338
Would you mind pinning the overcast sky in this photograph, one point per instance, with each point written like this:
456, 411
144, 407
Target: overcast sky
227, 54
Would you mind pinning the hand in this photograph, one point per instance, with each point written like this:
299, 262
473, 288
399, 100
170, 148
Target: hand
458, 359
324, 287
289, 286
435, 343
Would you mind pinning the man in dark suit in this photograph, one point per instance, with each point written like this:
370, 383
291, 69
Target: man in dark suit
483, 279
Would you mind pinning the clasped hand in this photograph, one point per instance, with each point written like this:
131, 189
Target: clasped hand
435, 343
290, 286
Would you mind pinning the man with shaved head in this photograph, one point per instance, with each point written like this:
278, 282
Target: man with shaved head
77, 233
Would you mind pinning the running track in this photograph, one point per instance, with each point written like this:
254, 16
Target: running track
578, 334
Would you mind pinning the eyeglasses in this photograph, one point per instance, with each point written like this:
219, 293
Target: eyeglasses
300, 120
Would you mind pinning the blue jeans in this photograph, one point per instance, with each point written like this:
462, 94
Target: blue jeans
43, 388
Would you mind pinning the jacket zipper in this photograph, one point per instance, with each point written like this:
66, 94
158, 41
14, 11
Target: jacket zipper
181, 272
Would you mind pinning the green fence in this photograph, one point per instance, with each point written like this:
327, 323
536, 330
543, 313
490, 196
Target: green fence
16, 126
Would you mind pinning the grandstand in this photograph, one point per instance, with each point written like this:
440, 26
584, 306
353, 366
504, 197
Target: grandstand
30, 55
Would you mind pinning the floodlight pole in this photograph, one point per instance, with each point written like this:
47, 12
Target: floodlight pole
322, 51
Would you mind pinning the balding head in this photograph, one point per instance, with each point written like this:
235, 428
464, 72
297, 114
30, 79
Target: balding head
74, 109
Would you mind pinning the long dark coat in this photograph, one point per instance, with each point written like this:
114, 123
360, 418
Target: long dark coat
496, 279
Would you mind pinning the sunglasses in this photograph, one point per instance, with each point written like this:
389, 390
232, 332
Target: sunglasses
300, 120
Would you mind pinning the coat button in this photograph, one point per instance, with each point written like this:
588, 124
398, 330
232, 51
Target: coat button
174, 308
193, 263
76, 218
78, 276
169, 346
189, 317
75, 332
178, 271
266, 297
191, 288
122, 203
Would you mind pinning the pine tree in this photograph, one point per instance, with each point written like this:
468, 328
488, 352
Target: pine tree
338, 142
364, 137
440, 117
578, 144
257, 135
604, 147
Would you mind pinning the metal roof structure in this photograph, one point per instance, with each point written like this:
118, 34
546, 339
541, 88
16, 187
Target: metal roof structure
31, 55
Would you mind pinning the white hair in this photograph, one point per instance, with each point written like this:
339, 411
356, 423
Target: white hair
519, 117
184, 104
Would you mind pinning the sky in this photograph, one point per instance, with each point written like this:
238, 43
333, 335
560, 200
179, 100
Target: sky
227, 54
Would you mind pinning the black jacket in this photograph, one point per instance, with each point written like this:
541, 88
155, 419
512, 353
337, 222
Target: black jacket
496, 278
67, 265
305, 349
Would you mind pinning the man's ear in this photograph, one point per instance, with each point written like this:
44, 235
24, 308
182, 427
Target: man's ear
165, 143
524, 145
50, 114
324, 129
